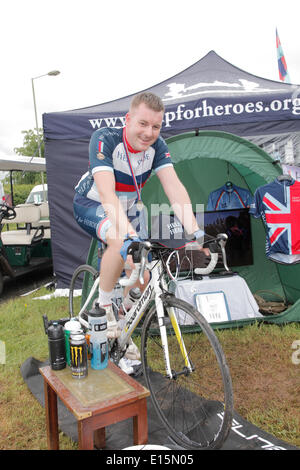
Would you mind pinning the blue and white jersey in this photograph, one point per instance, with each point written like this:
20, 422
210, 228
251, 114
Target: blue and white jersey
107, 153
229, 198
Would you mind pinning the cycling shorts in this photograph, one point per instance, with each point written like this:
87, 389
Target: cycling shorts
91, 217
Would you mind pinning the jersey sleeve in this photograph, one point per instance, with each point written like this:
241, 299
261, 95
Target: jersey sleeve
248, 198
210, 204
162, 158
100, 151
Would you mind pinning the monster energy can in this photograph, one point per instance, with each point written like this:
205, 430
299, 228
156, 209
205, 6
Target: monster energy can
78, 355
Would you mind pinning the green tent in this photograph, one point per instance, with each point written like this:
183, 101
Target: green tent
203, 162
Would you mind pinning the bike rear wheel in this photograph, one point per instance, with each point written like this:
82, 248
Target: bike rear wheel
83, 279
196, 407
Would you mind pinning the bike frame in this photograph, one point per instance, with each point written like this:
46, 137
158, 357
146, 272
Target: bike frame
155, 289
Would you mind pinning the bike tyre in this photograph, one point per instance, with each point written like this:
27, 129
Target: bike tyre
88, 273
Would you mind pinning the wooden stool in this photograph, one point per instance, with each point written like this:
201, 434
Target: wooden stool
104, 397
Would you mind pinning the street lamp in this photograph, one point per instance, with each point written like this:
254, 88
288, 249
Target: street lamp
52, 73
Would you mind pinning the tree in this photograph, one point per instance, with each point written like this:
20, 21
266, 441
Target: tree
30, 148
30, 144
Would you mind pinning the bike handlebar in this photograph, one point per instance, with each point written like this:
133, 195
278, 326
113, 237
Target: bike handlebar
135, 274
210, 267
214, 244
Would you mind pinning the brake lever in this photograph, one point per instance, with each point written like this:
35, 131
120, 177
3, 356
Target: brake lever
143, 265
144, 252
222, 240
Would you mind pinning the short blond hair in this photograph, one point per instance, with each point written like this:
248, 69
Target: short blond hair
151, 100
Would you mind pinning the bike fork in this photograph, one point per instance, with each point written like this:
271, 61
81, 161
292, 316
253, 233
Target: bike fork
163, 333
179, 337
164, 339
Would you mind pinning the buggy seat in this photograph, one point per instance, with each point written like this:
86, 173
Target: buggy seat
28, 215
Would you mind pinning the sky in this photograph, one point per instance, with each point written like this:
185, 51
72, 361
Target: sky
107, 50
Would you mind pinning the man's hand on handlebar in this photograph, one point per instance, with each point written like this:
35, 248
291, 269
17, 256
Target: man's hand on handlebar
134, 252
129, 244
206, 251
199, 238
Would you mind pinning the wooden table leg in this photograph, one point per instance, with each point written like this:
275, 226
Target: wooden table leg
85, 435
99, 438
140, 424
51, 417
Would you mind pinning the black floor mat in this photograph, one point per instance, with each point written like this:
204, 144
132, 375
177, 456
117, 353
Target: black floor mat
243, 435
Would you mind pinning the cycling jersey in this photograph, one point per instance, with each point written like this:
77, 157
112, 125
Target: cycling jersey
107, 153
278, 203
229, 197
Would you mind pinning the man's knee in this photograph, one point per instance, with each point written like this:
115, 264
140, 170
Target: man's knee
113, 241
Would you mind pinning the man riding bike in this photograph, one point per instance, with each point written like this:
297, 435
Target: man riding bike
108, 203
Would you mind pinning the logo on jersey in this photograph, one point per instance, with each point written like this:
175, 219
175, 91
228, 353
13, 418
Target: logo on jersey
283, 219
167, 155
100, 154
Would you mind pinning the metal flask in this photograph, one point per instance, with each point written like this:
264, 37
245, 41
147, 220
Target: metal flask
56, 343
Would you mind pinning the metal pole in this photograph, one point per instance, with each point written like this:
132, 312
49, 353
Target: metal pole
38, 134
52, 73
11, 187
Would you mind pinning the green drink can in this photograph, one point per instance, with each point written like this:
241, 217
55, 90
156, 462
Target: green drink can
72, 326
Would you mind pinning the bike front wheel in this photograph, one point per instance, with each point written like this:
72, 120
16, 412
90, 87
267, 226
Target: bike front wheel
195, 406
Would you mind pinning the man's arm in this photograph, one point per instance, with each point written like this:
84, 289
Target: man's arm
105, 182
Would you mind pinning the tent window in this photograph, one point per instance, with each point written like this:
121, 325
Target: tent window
284, 148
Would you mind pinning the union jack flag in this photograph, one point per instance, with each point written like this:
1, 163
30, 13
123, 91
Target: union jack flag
282, 67
283, 222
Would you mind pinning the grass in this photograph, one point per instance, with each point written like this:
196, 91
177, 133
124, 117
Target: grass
265, 379
266, 382
22, 418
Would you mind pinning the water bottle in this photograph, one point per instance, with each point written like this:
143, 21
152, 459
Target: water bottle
56, 343
98, 340
117, 298
132, 296
70, 327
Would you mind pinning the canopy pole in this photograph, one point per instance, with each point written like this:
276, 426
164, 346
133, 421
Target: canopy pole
11, 188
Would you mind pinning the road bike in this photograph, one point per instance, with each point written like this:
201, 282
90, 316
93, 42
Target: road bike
183, 362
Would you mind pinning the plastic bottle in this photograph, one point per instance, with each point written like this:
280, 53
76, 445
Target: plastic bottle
98, 340
117, 296
56, 343
132, 296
